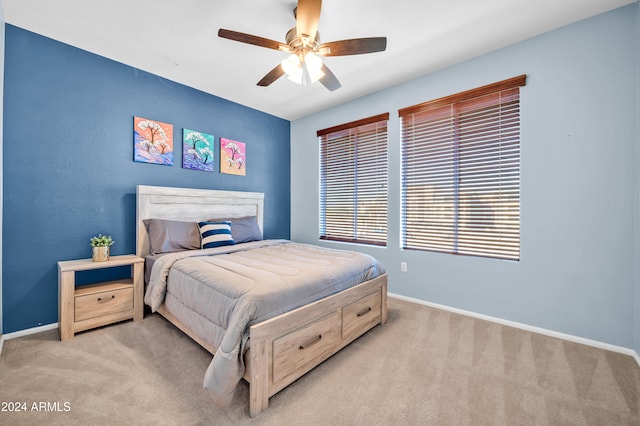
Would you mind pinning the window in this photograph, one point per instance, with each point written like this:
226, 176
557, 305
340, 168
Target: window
353, 181
461, 172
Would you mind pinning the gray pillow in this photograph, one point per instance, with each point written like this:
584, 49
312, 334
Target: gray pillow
243, 229
167, 236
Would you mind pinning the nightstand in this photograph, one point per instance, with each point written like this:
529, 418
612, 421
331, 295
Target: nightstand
103, 303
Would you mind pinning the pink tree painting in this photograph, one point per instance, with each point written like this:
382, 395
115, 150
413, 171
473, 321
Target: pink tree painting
233, 157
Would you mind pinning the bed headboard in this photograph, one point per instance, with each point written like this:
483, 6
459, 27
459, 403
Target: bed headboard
191, 205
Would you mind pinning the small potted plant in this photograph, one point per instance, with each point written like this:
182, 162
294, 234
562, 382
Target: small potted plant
100, 244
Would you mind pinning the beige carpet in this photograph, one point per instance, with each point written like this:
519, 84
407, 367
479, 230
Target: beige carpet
425, 367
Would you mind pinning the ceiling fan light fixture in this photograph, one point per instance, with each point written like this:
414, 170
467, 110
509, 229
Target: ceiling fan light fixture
313, 73
291, 64
297, 76
313, 62
304, 65
307, 70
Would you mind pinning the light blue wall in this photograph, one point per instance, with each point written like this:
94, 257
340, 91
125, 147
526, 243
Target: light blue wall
576, 273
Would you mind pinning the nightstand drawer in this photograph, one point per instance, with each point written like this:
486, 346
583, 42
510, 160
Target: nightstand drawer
102, 303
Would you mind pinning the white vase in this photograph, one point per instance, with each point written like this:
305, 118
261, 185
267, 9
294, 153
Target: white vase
101, 254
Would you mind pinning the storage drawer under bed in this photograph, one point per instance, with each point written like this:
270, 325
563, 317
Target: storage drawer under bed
307, 345
361, 315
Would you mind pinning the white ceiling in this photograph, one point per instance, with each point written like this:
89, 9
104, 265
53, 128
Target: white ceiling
178, 39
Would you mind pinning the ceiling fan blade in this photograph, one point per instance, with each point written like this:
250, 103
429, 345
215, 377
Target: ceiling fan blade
271, 76
251, 39
355, 46
307, 18
329, 80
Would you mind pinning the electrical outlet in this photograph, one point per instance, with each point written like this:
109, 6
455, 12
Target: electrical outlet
403, 266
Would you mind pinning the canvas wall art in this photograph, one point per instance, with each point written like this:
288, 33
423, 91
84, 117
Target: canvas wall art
233, 157
152, 141
197, 150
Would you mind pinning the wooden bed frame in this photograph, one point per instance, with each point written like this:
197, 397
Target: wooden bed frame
285, 347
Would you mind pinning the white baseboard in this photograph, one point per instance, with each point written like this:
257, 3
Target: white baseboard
29, 331
544, 331
26, 332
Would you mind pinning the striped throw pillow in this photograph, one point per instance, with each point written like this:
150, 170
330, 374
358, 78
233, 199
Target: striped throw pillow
215, 234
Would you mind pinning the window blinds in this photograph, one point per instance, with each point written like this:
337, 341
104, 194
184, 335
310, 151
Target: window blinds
353, 181
461, 173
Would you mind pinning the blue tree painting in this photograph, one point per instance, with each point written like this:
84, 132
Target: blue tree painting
197, 150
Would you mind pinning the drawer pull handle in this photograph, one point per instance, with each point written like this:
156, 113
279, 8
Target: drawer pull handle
101, 300
311, 342
363, 312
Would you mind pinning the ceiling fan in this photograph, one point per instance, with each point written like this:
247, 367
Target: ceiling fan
304, 63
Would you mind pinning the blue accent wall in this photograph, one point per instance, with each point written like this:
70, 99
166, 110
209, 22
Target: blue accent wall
68, 167
1, 109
